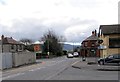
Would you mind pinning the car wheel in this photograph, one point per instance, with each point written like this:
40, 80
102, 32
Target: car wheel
101, 63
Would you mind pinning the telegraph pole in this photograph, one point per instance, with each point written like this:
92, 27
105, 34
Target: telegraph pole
48, 48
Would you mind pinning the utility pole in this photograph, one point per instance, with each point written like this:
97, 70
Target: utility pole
48, 48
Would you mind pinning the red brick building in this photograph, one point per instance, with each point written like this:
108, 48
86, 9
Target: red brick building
90, 47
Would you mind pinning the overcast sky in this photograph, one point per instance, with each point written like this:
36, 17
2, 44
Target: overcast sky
74, 19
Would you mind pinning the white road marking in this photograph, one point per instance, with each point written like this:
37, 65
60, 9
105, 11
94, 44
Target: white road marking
75, 62
56, 63
36, 69
11, 76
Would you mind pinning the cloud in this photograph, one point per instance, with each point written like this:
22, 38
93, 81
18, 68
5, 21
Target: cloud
74, 19
77, 33
34, 28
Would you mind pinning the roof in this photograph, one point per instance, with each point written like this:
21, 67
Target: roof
110, 29
10, 40
38, 42
92, 37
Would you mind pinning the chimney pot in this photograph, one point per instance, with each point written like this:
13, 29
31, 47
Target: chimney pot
93, 32
2, 37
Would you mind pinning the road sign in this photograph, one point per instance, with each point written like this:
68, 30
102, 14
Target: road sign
36, 48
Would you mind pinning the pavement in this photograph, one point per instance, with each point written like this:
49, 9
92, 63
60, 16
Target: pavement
91, 63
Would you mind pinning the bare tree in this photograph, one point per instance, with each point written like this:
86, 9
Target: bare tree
26, 41
51, 43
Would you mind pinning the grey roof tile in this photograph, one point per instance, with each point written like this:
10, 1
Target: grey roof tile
110, 29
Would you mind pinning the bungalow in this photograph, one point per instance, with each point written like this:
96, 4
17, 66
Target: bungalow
110, 34
8, 44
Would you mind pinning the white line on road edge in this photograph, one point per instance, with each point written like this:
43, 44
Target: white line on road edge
75, 62
36, 69
11, 76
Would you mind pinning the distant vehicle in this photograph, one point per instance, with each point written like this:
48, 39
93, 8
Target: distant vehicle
75, 54
114, 58
69, 55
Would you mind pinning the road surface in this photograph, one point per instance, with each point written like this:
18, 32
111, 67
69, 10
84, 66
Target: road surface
58, 69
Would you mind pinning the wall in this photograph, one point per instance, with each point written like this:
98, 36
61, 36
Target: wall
108, 51
6, 48
9, 60
6, 60
22, 58
0, 48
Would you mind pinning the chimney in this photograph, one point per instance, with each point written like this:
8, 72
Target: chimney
95, 32
2, 37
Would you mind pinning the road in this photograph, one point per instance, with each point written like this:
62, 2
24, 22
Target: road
58, 69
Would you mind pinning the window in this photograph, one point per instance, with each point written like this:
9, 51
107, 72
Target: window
12, 47
20, 47
93, 44
114, 43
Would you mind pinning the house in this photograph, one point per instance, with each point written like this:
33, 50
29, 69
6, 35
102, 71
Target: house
13, 53
89, 46
110, 34
8, 44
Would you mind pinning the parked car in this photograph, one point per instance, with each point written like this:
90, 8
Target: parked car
75, 54
114, 58
69, 55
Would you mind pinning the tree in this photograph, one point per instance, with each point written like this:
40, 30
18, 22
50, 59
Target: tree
52, 43
27, 42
